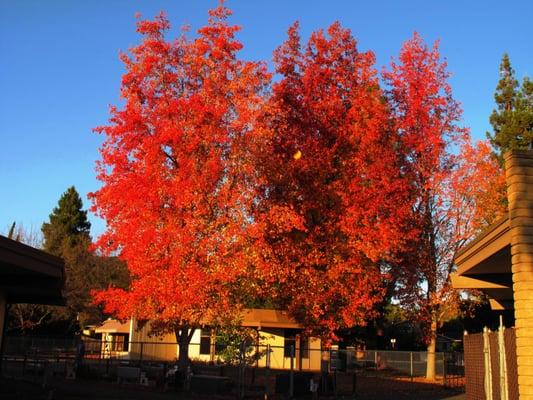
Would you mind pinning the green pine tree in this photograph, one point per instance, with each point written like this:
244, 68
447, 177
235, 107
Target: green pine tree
512, 120
67, 235
68, 226
11, 234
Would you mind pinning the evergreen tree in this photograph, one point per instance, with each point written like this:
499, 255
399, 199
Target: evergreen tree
66, 235
512, 120
11, 234
68, 224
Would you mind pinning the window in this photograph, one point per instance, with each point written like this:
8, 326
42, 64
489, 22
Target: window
119, 342
290, 342
205, 341
304, 347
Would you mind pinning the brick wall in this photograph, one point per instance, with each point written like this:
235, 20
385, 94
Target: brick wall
519, 174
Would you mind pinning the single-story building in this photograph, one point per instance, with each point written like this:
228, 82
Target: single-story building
27, 275
274, 329
114, 338
499, 262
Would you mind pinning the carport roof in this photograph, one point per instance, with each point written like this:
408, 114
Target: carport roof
485, 265
29, 275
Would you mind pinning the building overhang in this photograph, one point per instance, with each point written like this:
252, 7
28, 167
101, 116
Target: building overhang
29, 275
113, 326
485, 265
268, 318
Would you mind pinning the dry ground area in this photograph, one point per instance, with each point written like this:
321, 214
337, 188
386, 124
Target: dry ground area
368, 388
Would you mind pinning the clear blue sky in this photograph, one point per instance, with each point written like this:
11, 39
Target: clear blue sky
59, 70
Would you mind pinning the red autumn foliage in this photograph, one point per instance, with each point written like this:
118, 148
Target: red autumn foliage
455, 195
215, 190
174, 171
333, 200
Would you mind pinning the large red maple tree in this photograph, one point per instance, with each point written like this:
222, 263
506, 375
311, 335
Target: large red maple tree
331, 195
216, 190
174, 176
458, 188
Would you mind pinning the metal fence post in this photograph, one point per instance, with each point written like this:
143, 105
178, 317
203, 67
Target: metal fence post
242, 350
141, 360
444, 369
335, 381
291, 376
354, 382
411, 365
267, 362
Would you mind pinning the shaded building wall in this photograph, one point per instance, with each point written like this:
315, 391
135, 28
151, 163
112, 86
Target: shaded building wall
149, 347
519, 176
275, 337
165, 348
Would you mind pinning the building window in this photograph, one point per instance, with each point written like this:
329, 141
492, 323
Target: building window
119, 342
290, 342
304, 347
205, 341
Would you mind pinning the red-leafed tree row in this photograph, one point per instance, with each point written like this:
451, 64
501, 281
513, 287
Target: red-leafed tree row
221, 188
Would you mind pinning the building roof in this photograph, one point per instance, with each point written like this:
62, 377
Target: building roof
252, 317
113, 326
267, 318
485, 264
29, 275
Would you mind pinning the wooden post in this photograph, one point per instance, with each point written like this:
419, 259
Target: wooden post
487, 362
504, 391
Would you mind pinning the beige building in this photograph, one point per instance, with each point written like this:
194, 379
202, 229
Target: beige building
274, 330
499, 262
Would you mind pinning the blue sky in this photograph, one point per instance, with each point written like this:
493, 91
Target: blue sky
59, 71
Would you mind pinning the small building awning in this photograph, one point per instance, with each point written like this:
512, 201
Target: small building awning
113, 326
29, 275
485, 265
268, 318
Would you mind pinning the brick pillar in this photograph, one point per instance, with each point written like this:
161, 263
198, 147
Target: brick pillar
519, 175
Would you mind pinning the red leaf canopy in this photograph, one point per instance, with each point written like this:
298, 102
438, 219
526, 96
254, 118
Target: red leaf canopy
174, 173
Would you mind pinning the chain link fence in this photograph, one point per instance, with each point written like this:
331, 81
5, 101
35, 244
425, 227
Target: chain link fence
255, 371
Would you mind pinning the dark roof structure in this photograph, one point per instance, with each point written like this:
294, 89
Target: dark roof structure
29, 275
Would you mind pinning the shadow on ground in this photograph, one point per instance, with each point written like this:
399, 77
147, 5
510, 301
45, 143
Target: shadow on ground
367, 388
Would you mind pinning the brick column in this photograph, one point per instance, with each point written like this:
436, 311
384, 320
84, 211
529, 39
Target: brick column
519, 175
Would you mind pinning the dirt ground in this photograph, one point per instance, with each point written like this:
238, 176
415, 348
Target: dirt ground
367, 388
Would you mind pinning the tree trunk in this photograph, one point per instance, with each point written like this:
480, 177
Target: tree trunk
183, 337
431, 359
